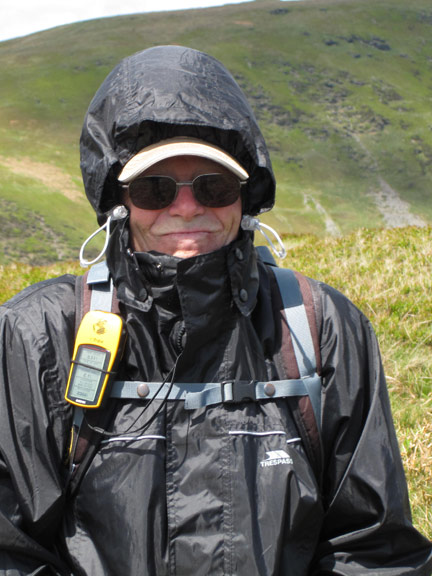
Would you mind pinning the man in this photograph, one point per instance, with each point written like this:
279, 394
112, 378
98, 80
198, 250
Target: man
161, 485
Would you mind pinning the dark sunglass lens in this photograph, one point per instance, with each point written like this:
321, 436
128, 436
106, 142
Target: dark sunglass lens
216, 190
152, 192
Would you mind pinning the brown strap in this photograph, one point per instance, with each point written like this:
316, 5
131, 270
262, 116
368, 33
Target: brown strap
301, 406
88, 440
314, 315
84, 293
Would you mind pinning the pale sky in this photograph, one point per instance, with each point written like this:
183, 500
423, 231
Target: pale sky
22, 17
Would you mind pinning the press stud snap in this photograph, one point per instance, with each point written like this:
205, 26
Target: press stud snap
269, 389
143, 390
239, 254
243, 295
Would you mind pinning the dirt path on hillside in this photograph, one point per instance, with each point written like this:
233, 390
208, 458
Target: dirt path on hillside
330, 225
396, 212
50, 176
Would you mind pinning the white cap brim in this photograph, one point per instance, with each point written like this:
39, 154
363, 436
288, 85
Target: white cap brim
178, 147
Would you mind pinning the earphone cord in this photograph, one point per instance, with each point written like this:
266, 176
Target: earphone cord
170, 377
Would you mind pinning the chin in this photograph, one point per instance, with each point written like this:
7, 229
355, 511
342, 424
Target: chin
188, 253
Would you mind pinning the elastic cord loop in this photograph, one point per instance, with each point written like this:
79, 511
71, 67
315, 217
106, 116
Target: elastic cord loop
117, 213
250, 223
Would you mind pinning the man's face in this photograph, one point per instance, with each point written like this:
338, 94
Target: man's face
185, 228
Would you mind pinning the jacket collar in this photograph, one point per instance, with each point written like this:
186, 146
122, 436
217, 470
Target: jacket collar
228, 274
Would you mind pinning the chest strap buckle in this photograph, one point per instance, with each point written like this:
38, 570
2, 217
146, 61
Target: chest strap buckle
239, 390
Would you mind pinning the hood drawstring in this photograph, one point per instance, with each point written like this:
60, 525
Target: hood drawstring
120, 212
117, 213
251, 223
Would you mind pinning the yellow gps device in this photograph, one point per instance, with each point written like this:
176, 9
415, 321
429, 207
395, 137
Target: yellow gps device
98, 350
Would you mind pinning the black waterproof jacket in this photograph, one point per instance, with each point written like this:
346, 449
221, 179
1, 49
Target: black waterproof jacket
170, 491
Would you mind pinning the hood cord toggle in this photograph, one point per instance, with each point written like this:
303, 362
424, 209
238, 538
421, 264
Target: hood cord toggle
251, 223
117, 213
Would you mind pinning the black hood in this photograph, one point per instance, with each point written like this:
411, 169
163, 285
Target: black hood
161, 93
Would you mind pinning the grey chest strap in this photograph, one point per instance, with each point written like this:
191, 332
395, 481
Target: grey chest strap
198, 395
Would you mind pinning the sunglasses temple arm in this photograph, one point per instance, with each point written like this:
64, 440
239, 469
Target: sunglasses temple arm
250, 223
118, 213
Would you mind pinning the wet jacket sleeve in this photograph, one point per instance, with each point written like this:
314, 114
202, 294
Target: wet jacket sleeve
33, 426
367, 525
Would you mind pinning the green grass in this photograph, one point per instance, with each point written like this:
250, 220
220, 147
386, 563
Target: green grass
37, 219
388, 275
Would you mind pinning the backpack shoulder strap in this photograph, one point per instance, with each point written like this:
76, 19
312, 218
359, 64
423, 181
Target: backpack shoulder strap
300, 312
301, 335
93, 291
102, 298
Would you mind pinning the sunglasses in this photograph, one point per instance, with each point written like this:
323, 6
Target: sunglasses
157, 192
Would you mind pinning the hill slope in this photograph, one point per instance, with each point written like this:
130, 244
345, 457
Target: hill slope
342, 90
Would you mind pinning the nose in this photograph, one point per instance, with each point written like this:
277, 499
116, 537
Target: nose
185, 205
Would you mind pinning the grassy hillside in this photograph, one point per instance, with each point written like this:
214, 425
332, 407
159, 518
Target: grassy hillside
342, 89
387, 274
